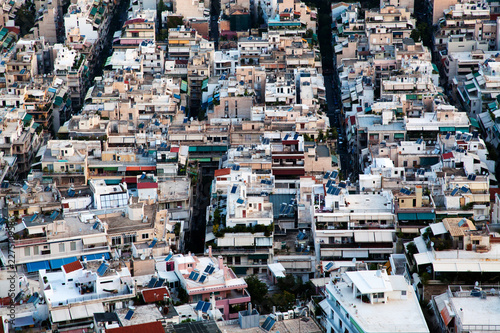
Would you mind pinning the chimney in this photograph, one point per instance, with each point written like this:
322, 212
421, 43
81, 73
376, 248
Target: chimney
210, 251
418, 193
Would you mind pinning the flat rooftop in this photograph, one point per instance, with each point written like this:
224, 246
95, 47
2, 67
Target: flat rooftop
477, 311
399, 315
291, 325
171, 189
214, 280
142, 314
118, 223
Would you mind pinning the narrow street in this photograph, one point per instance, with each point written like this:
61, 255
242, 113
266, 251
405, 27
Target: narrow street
332, 86
214, 22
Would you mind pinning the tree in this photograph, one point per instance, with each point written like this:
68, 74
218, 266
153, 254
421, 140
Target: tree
283, 301
25, 17
256, 288
174, 21
415, 35
183, 295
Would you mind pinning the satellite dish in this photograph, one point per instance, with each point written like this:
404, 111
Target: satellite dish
143, 257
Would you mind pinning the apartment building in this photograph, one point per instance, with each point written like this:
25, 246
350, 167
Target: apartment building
345, 227
81, 289
240, 222
204, 276
366, 301
388, 26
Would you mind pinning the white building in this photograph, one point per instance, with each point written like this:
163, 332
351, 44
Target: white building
372, 301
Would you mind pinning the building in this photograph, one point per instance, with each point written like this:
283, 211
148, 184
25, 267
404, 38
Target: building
203, 277
370, 301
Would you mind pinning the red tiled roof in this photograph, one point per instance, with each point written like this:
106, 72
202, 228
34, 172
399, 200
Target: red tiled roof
72, 266
152, 327
147, 185
222, 172
154, 295
174, 149
447, 156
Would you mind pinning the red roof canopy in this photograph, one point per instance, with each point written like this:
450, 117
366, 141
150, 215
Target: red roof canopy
147, 185
72, 266
447, 156
154, 295
222, 172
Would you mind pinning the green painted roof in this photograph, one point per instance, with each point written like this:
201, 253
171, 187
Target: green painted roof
93, 11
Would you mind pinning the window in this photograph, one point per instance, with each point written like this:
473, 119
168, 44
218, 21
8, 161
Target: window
27, 251
403, 292
144, 236
72, 246
36, 250
129, 239
61, 247
475, 242
130, 116
237, 260
116, 240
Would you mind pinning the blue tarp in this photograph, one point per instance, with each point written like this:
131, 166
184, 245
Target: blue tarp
97, 256
58, 263
24, 321
38, 265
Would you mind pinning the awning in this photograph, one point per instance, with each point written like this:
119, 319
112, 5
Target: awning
383, 237
474, 122
422, 258
36, 266
97, 256
112, 181
355, 254
399, 135
141, 168
407, 216
57, 263
78, 312
58, 100
363, 237
258, 256
447, 129
94, 308
445, 315
110, 169
94, 240
60, 315
426, 216
240, 270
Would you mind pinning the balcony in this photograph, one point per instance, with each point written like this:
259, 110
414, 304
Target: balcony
29, 241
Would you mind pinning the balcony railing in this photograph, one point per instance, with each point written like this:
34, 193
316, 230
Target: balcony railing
29, 241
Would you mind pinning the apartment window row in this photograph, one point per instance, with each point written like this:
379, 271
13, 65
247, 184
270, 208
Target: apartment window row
45, 249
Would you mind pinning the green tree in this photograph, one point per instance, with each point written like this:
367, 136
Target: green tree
25, 17
174, 21
183, 295
256, 288
415, 35
283, 301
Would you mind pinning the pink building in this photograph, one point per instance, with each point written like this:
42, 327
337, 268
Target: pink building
204, 276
